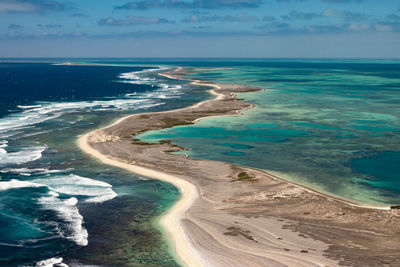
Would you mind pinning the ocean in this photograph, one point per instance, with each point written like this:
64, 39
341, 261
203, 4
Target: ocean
57, 203
331, 125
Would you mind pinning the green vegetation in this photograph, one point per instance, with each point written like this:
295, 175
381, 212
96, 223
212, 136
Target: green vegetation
244, 176
170, 122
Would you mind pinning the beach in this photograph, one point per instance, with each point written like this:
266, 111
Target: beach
233, 215
169, 221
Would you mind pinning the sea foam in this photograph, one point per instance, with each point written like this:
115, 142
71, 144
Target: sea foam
51, 110
43, 111
12, 184
67, 211
24, 155
135, 77
28, 107
33, 171
58, 261
73, 186
164, 90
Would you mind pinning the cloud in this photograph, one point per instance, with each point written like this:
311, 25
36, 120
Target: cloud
179, 4
29, 6
357, 26
296, 15
323, 28
394, 17
387, 26
200, 27
15, 26
237, 18
268, 29
391, 23
380, 26
178, 33
269, 18
133, 20
196, 12
346, 15
49, 26
327, 13
80, 15
44, 35
273, 27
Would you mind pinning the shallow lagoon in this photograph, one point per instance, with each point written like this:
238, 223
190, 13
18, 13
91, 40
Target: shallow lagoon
333, 126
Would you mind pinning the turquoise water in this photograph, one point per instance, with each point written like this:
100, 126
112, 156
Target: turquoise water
334, 126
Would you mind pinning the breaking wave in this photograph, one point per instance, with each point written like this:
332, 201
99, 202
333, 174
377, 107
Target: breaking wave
92, 191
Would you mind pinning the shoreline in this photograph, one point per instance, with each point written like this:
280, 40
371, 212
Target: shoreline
317, 191
104, 145
188, 192
170, 220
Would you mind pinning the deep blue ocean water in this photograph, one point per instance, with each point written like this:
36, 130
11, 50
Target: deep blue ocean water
55, 202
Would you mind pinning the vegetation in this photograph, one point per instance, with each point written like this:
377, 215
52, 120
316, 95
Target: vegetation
235, 231
170, 122
244, 176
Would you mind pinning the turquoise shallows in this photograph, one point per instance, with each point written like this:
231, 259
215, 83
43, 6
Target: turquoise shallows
321, 124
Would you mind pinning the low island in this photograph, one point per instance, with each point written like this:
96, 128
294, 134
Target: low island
230, 215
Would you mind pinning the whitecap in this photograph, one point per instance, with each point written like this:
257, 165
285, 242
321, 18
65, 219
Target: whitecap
3, 143
43, 111
75, 185
67, 211
24, 155
131, 94
50, 110
135, 77
164, 91
93, 191
28, 107
33, 170
13, 184
102, 198
51, 262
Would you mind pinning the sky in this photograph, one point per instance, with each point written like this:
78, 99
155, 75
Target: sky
200, 28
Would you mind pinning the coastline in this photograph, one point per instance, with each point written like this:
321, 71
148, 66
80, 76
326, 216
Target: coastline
276, 175
188, 192
102, 144
170, 220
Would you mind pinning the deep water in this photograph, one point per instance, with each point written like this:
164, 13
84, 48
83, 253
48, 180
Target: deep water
55, 201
